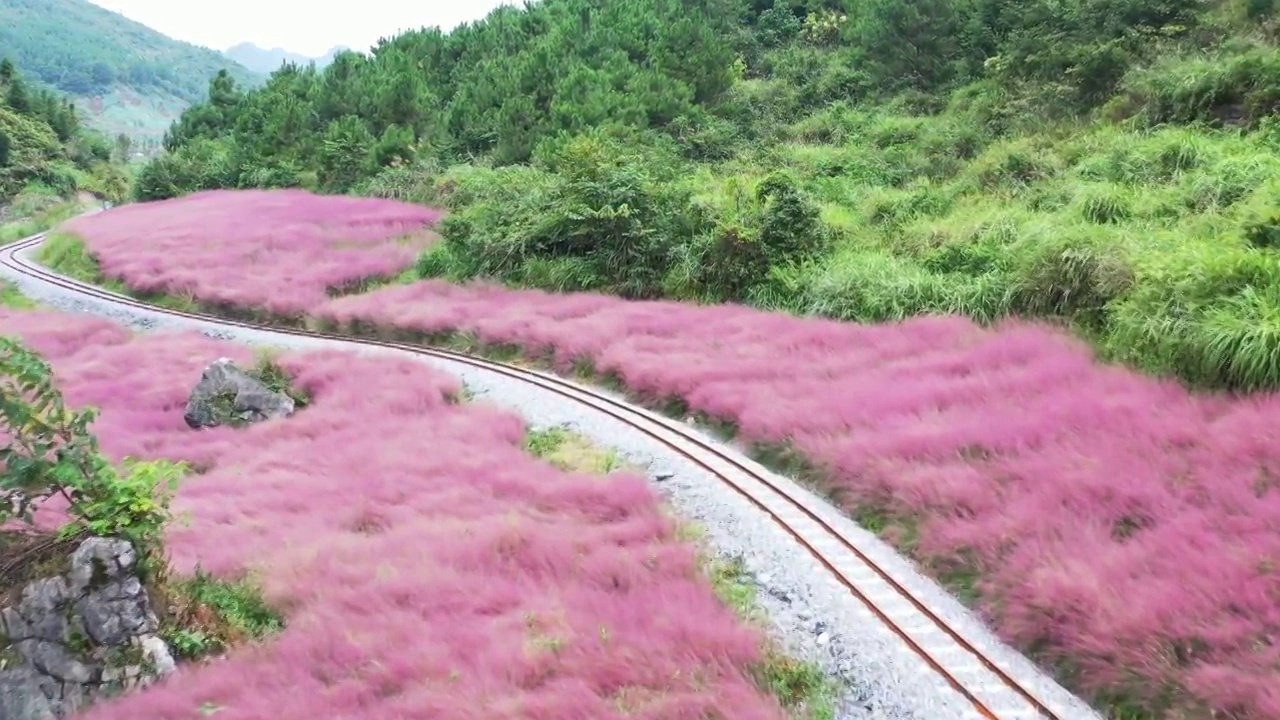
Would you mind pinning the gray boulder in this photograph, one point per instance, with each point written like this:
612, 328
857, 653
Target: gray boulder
21, 696
75, 637
227, 395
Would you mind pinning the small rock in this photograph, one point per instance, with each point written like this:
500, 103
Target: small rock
227, 395
156, 652
780, 594
823, 639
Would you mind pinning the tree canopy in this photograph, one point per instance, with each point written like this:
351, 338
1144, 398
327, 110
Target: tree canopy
497, 87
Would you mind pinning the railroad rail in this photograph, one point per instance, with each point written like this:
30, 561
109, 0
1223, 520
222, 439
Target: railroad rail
993, 691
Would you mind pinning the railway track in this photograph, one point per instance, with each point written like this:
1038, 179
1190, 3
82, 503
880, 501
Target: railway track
989, 690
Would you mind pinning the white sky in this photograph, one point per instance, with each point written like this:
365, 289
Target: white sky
307, 27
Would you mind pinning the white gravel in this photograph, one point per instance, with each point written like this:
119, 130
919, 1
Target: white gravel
813, 617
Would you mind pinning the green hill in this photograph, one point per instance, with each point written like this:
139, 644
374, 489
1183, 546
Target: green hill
1113, 165
125, 77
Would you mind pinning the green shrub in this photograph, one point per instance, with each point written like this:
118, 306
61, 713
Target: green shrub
1103, 204
1225, 89
1012, 167
597, 203
976, 259
1225, 183
704, 137
442, 260
875, 286
753, 230
1210, 318
1073, 274
892, 208
1260, 218
201, 164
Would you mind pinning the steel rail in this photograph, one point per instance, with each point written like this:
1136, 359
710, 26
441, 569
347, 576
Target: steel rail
686, 443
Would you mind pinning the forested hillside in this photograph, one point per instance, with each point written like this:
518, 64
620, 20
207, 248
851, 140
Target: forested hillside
45, 151
128, 77
1113, 163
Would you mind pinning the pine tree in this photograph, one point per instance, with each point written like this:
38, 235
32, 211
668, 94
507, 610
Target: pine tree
17, 97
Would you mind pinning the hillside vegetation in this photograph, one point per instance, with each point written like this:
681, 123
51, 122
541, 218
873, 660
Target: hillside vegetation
128, 77
45, 152
1109, 163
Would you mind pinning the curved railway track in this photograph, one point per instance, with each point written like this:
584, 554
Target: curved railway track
994, 692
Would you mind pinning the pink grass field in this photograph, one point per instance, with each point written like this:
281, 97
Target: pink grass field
427, 566
1117, 524
280, 248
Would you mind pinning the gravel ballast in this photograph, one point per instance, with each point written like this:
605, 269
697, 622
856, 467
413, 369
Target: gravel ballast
813, 617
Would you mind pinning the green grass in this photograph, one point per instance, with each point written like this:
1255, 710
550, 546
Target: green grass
267, 371
801, 687
67, 254
11, 298
568, 450
35, 211
206, 615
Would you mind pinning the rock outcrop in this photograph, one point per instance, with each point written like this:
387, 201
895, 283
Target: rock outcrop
227, 395
75, 637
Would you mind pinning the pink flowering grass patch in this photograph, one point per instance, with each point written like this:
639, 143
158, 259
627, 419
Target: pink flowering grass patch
426, 565
1110, 523
282, 250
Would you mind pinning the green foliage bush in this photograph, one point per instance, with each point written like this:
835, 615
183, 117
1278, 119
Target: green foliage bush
201, 164
602, 221
752, 232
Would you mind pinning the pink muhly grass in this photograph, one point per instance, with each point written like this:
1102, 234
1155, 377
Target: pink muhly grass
281, 250
427, 565
1115, 520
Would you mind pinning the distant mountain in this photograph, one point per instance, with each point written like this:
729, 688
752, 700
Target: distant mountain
268, 61
124, 76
